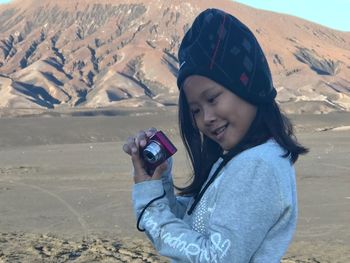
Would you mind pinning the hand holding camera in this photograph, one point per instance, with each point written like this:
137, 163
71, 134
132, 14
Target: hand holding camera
149, 150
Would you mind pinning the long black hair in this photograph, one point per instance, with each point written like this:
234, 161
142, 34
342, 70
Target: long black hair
269, 122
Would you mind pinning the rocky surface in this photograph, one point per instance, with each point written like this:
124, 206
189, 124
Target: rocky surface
50, 248
93, 54
21, 247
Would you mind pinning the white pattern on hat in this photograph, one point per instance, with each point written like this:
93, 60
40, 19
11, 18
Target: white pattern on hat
183, 63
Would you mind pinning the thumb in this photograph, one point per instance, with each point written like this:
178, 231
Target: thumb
138, 165
160, 170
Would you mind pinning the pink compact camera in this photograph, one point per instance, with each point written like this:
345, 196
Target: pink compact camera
158, 149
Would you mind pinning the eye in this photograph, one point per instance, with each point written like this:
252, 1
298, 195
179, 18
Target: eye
213, 98
195, 111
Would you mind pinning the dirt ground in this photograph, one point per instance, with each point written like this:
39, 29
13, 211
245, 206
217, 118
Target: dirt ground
65, 188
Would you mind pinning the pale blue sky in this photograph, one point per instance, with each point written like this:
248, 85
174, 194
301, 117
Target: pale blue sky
333, 14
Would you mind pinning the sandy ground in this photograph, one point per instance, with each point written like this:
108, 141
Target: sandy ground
65, 189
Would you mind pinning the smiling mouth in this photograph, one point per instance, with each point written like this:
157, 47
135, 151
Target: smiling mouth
220, 130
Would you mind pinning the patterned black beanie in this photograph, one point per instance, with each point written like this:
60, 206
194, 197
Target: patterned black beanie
220, 47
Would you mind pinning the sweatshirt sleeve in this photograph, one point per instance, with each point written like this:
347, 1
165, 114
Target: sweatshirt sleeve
247, 205
177, 204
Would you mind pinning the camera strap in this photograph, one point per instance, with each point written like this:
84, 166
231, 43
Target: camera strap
144, 209
226, 158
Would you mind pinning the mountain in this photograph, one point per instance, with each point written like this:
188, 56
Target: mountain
73, 54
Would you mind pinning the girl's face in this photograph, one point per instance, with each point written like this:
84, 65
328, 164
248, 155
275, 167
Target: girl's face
217, 112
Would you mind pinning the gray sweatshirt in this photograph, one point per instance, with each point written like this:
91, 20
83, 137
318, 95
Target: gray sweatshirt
248, 214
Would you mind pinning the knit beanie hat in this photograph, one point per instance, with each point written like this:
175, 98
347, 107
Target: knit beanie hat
220, 47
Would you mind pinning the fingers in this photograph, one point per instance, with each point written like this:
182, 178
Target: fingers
143, 136
130, 146
141, 139
133, 147
151, 131
133, 144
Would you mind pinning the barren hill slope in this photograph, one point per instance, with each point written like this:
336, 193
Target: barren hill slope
123, 53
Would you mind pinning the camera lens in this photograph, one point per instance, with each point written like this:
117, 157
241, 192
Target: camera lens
153, 153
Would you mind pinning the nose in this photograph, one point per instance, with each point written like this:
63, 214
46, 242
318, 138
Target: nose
208, 116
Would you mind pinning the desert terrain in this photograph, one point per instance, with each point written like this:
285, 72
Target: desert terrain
73, 81
65, 187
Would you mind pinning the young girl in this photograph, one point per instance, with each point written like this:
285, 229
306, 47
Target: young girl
241, 205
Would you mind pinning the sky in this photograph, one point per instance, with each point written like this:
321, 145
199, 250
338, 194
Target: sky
333, 14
